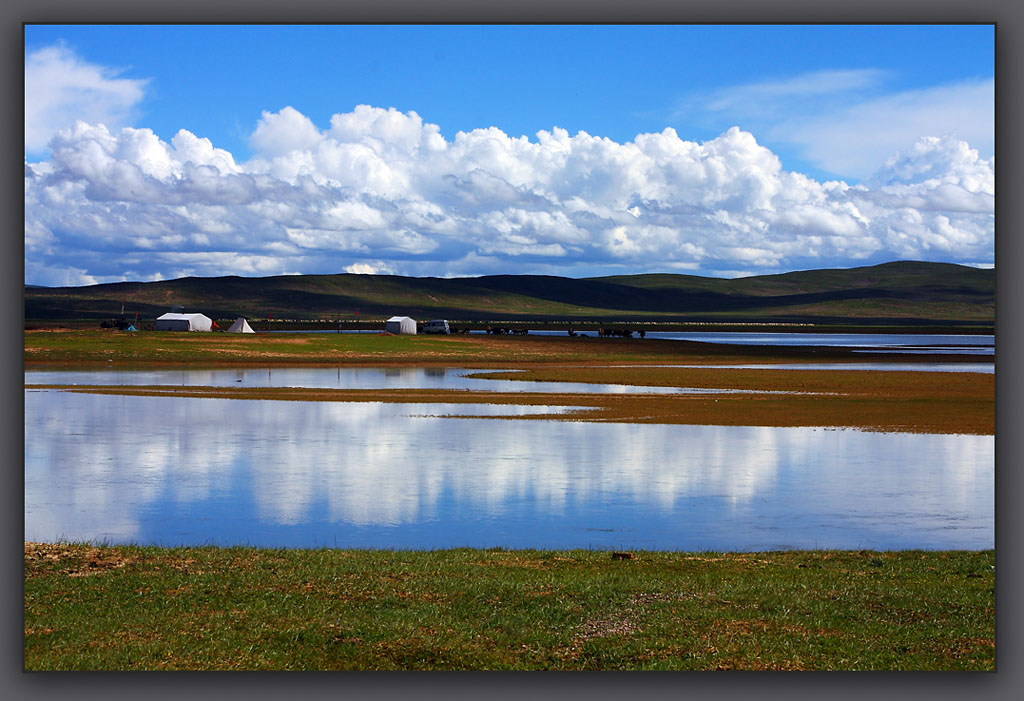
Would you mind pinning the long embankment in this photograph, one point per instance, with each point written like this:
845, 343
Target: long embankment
906, 401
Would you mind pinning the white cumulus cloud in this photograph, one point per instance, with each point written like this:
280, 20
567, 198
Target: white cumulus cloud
380, 190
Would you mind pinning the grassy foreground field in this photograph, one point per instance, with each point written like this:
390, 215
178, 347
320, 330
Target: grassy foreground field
139, 608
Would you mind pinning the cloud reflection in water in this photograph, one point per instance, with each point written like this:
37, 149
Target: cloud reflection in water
174, 470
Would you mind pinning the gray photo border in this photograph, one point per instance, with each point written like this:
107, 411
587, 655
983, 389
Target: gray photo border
498, 686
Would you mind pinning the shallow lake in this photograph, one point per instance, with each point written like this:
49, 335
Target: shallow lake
337, 378
974, 344
986, 368
419, 378
173, 471
941, 344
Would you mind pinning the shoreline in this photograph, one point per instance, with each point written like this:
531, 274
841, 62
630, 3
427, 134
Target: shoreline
167, 348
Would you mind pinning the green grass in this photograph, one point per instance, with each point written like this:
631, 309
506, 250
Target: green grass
166, 347
127, 608
97, 346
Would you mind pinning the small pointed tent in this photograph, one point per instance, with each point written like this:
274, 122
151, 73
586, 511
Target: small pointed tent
240, 326
400, 324
184, 322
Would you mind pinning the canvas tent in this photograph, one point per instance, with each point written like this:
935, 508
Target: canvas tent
400, 324
240, 326
184, 322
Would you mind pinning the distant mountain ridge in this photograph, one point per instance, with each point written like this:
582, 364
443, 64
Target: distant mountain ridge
907, 291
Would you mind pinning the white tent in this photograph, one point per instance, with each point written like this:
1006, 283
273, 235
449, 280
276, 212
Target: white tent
184, 322
240, 326
400, 324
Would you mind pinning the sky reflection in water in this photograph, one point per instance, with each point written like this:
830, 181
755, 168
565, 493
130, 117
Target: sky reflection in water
982, 344
295, 474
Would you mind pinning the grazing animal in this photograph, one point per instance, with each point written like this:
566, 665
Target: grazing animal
622, 556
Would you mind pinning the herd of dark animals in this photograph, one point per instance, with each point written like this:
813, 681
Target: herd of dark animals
620, 333
502, 330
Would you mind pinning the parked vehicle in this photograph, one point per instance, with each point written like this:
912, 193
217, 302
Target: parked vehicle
436, 326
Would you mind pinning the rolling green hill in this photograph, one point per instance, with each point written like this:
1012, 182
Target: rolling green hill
905, 292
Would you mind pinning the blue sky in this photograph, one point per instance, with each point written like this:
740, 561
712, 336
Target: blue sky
829, 103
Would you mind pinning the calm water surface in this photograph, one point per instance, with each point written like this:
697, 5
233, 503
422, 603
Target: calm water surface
171, 470
421, 378
975, 344
340, 378
986, 368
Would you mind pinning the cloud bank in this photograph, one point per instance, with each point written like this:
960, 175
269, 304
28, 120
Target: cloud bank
382, 191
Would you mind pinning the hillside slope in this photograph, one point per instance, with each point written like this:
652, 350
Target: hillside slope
905, 291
